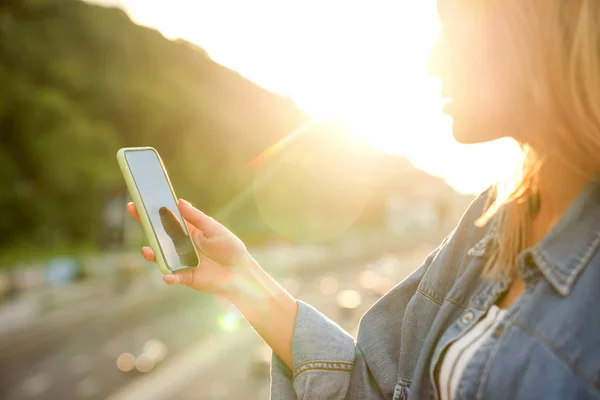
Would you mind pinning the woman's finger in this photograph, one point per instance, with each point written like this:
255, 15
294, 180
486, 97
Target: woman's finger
198, 219
148, 254
133, 211
184, 277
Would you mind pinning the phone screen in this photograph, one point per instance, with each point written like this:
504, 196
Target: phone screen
160, 204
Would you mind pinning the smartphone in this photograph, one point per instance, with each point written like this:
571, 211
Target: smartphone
154, 198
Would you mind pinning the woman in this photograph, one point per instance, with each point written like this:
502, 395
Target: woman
505, 308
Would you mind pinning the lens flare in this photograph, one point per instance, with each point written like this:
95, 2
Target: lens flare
229, 322
276, 148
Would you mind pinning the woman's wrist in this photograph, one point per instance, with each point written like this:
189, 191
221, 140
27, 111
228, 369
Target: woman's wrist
251, 283
243, 283
267, 307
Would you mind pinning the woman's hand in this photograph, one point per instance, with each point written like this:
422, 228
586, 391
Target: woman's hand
223, 257
226, 268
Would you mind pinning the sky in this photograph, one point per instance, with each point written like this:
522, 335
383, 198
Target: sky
358, 61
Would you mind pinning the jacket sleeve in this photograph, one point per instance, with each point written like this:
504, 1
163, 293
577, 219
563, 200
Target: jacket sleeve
327, 362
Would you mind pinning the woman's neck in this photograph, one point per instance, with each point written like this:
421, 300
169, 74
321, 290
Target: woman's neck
558, 187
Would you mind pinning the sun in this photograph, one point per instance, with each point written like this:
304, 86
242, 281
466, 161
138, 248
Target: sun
373, 77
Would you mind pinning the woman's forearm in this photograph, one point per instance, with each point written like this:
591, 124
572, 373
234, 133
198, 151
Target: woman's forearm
268, 307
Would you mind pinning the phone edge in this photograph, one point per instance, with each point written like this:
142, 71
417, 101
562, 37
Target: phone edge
137, 200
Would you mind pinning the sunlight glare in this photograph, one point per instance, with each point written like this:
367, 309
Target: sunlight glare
359, 62
229, 322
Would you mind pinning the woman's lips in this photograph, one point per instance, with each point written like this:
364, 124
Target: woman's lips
448, 106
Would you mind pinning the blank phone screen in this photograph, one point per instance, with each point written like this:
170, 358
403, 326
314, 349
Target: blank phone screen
160, 204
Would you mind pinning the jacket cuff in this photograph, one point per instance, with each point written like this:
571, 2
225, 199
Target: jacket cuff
318, 340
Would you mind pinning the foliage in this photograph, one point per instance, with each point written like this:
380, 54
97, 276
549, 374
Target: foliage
79, 81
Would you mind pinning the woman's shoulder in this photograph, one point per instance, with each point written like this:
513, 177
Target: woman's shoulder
454, 254
410, 307
467, 232
440, 269
398, 323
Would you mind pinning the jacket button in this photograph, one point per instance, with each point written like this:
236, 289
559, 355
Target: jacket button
467, 317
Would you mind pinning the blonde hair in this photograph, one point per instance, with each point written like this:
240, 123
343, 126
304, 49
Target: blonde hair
556, 46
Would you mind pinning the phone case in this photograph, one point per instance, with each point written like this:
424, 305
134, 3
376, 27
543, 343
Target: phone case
136, 197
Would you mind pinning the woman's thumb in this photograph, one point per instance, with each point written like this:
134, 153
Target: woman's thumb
185, 277
197, 218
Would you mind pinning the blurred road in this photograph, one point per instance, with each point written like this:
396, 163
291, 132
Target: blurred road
241, 370
79, 360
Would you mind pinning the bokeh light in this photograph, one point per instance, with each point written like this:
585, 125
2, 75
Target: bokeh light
388, 266
368, 279
155, 350
126, 362
348, 299
144, 363
328, 285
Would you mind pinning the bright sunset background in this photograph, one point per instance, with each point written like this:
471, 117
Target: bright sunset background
362, 62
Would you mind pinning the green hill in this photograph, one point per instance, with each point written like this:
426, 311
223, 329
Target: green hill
78, 81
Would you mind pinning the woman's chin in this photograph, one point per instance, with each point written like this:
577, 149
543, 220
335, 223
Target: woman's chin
472, 132
465, 137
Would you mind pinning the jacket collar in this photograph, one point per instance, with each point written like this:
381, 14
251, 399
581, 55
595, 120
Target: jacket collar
564, 253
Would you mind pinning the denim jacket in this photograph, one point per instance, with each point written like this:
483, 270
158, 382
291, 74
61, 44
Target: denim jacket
547, 346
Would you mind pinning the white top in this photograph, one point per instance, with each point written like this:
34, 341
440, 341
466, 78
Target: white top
460, 352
